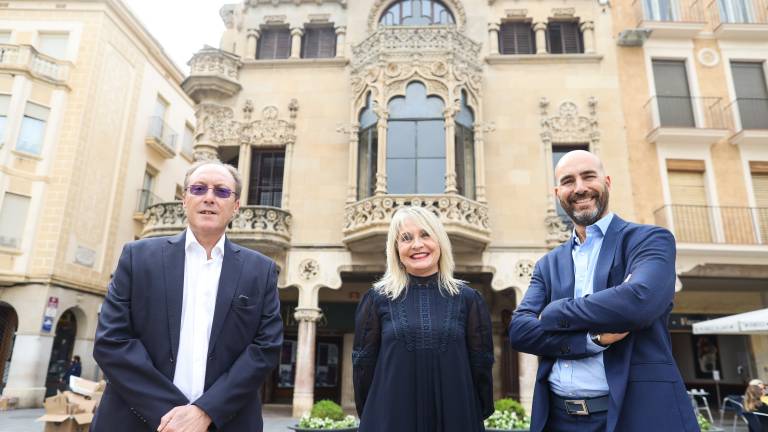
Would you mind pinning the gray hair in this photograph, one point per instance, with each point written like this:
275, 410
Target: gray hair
232, 171
395, 278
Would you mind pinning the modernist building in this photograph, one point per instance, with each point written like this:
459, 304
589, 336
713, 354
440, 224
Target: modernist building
94, 127
693, 81
339, 112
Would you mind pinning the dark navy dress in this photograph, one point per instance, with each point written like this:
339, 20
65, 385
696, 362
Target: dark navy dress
422, 362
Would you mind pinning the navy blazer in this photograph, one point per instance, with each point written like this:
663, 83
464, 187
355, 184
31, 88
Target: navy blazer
137, 339
634, 285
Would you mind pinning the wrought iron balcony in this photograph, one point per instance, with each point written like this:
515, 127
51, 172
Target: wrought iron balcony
685, 119
749, 117
263, 228
708, 224
161, 137
739, 19
26, 59
212, 73
367, 220
670, 18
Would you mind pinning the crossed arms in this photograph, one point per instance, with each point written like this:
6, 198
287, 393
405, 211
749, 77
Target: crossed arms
559, 328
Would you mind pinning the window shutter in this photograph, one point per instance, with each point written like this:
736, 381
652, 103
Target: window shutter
283, 49
319, 42
571, 37
275, 44
516, 38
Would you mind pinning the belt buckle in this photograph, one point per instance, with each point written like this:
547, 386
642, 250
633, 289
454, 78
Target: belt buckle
576, 407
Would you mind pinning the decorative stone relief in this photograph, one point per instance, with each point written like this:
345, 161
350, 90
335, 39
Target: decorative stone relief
516, 13
524, 270
380, 5
211, 61
216, 124
309, 269
708, 57
227, 14
256, 218
275, 19
563, 12
85, 256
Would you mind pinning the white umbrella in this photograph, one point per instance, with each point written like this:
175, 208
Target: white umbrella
755, 322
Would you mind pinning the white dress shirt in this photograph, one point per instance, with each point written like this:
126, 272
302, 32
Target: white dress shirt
201, 283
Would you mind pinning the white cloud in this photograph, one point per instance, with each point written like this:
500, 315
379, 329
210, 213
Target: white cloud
181, 27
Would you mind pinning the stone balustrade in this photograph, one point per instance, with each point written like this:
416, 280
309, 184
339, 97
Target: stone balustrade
26, 59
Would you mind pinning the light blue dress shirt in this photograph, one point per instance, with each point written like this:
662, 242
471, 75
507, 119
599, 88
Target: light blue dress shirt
584, 378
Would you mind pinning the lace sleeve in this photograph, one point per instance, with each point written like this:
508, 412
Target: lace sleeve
480, 346
365, 349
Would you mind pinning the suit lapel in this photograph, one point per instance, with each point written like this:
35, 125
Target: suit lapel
173, 269
607, 252
228, 283
564, 289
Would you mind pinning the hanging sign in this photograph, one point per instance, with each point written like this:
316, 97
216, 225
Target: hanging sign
50, 314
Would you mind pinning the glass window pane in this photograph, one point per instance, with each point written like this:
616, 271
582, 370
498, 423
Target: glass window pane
5, 37
401, 139
53, 44
13, 217
3, 121
401, 176
431, 176
31, 136
189, 140
430, 136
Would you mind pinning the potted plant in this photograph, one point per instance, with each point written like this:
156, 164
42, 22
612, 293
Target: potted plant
509, 415
326, 416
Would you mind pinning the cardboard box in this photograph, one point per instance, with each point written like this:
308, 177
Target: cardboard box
85, 387
68, 412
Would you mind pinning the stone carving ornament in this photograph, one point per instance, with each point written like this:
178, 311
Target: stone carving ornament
524, 270
309, 269
216, 124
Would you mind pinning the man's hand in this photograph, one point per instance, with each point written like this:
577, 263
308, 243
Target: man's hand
611, 338
187, 418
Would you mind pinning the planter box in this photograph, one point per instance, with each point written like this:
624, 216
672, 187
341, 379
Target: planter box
302, 429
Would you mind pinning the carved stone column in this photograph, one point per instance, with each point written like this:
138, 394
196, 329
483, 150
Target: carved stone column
244, 168
450, 150
480, 130
381, 157
293, 112
304, 382
541, 37
528, 366
588, 35
354, 139
493, 38
341, 33
252, 42
296, 34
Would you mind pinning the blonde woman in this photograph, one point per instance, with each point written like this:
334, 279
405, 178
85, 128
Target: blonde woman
753, 404
423, 347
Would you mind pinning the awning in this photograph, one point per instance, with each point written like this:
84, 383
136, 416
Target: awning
755, 322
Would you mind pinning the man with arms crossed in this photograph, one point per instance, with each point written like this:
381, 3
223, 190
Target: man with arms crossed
190, 326
596, 313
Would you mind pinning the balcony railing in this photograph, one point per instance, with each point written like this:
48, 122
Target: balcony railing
367, 221
669, 11
161, 137
708, 224
750, 113
26, 58
262, 228
738, 12
145, 199
685, 112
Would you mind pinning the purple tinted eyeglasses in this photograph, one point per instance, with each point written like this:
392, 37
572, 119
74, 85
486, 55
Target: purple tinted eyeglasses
218, 191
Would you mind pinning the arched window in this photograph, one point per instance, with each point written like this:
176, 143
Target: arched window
416, 13
465, 149
367, 149
416, 143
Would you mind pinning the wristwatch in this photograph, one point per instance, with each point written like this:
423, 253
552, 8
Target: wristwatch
596, 339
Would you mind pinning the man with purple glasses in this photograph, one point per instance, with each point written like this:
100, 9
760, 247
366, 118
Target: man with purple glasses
190, 327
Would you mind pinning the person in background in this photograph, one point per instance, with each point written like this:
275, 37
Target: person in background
760, 384
75, 369
753, 404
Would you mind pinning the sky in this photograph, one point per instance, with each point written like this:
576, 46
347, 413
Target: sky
181, 26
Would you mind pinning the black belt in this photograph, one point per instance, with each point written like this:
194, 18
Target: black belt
580, 406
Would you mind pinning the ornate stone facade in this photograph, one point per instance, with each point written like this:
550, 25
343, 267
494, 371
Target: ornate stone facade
216, 124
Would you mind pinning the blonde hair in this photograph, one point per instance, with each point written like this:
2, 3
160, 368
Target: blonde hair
395, 279
752, 398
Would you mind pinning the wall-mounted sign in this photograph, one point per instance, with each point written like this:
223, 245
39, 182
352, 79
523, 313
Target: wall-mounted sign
50, 314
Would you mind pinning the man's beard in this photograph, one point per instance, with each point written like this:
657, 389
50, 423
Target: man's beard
587, 217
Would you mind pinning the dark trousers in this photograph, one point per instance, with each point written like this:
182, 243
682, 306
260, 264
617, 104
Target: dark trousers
560, 421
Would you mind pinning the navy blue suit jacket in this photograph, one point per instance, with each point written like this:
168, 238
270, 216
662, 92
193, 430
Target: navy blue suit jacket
634, 285
137, 338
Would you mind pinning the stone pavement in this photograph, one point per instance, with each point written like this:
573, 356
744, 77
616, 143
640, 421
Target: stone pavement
277, 418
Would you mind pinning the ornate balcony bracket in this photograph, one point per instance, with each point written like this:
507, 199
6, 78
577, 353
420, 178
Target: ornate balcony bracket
213, 74
263, 228
367, 221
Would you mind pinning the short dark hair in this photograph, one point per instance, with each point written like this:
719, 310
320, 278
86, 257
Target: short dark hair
76, 358
232, 171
